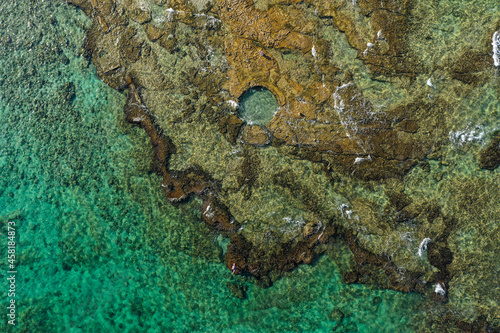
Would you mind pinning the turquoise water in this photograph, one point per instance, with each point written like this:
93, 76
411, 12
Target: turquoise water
98, 247
257, 106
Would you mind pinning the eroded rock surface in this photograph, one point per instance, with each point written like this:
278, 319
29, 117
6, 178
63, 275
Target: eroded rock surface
335, 161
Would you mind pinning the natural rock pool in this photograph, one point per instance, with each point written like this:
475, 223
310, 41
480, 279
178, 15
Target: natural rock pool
257, 106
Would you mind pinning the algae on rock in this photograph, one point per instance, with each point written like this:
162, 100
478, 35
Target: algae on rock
363, 130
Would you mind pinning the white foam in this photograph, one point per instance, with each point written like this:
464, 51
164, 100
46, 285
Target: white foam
429, 83
439, 289
143, 5
339, 105
292, 226
495, 42
209, 212
138, 119
313, 52
342, 207
232, 103
297, 222
345, 211
468, 135
361, 159
423, 246
170, 14
350, 116
208, 17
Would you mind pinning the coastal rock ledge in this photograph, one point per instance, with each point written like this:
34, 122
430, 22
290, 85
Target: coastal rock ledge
356, 132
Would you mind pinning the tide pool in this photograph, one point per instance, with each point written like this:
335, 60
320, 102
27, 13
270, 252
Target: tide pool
257, 106
98, 247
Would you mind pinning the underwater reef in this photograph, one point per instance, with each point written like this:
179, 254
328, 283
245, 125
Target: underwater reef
379, 137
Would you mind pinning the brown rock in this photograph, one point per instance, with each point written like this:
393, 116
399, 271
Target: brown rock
140, 15
230, 125
271, 28
255, 135
251, 65
325, 122
85, 5
410, 126
440, 256
398, 199
168, 42
215, 215
350, 277
469, 66
129, 45
102, 7
490, 157
238, 250
153, 33
309, 229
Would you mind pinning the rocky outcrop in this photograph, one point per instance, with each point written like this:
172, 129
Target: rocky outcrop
490, 157
183, 68
334, 161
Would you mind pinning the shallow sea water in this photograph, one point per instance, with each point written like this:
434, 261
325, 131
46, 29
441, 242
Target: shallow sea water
257, 106
98, 247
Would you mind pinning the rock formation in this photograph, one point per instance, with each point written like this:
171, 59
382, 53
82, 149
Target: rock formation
356, 125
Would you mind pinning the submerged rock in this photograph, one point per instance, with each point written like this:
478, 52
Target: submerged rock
337, 316
237, 290
255, 135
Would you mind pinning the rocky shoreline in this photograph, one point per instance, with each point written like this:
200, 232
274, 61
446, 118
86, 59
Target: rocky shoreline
332, 165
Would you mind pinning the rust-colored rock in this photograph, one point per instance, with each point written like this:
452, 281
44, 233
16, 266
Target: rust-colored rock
242, 256
140, 15
153, 33
216, 216
255, 135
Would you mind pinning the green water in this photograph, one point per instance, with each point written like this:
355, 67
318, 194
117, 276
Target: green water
257, 106
98, 247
